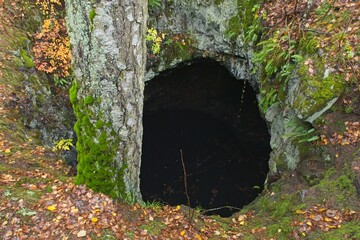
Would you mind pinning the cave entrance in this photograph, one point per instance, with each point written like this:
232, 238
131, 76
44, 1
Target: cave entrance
213, 118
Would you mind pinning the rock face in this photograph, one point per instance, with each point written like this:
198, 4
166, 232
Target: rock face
199, 29
49, 111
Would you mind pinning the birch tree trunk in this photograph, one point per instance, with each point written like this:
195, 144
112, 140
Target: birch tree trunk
108, 48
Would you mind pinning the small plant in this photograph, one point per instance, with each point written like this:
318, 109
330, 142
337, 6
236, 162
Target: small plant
7, 193
153, 204
300, 133
26, 212
59, 81
154, 3
155, 39
268, 99
63, 145
92, 15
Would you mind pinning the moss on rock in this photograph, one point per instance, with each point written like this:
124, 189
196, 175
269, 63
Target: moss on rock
28, 62
318, 89
96, 148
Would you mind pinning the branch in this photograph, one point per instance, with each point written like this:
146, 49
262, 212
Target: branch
218, 208
185, 183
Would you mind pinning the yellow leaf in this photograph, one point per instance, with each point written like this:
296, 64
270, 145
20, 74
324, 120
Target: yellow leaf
178, 207
94, 219
303, 234
74, 210
7, 150
321, 210
242, 223
198, 237
51, 208
182, 232
329, 27
241, 218
299, 211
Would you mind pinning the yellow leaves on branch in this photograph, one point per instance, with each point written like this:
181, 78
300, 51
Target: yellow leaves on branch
52, 45
49, 7
52, 48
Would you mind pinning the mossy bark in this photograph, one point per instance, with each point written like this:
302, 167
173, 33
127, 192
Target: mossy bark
108, 47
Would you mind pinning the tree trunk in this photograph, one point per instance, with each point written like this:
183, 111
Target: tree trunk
108, 48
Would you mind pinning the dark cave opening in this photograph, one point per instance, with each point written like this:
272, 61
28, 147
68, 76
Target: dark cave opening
202, 110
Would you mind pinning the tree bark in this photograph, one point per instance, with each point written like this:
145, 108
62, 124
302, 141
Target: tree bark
108, 48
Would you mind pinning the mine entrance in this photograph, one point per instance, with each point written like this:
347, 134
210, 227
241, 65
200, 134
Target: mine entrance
202, 110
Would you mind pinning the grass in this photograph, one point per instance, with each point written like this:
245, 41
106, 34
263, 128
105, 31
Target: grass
153, 227
153, 205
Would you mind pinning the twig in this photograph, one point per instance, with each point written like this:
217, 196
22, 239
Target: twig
218, 208
315, 31
185, 183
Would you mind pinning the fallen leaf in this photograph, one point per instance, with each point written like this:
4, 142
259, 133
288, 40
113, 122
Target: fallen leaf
299, 211
51, 208
317, 217
81, 233
241, 218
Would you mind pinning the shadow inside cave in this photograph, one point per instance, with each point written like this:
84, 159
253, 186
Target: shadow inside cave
213, 118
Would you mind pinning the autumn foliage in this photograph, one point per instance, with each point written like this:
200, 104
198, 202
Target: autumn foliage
52, 45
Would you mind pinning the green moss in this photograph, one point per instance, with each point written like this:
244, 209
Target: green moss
280, 229
218, 2
317, 89
245, 22
92, 15
338, 189
234, 27
277, 212
73, 93
96, 149
89, 100
154, 227
28, 62
100, 124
